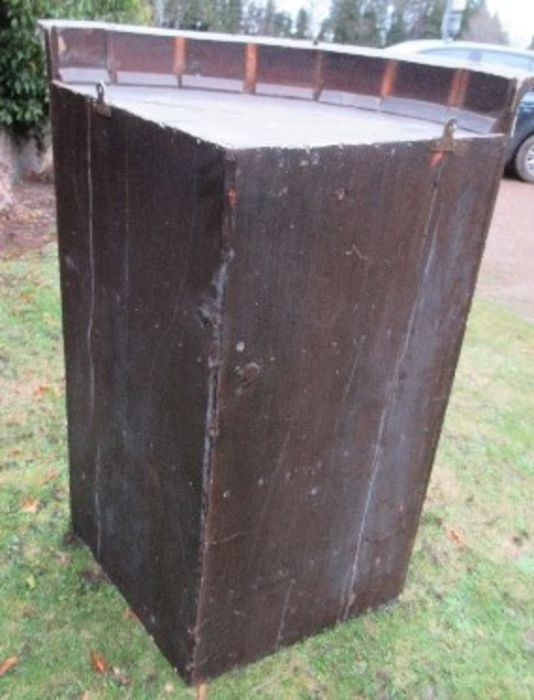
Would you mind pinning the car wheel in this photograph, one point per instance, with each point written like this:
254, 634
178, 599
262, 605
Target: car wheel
524, 160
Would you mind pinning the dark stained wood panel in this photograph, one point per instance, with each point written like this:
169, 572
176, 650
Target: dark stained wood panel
260, 340
149, 54
217, 59
135, 274
343, 322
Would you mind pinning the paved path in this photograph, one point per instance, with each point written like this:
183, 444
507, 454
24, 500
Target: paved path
507, 272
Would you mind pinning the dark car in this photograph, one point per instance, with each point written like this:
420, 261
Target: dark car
521, 148
521, 153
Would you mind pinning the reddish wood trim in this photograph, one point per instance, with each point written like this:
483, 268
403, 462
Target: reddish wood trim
318, 80
110, 58
251, 67
180, 57
388, 79
458, 88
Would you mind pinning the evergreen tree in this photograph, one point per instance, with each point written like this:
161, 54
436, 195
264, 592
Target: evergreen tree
364, 22
191, 15
326, 32
471, 8
266, 20
345, 16
233, 16
415, 19
398, 29
485, 27
429, 26
373, 22
267, 25
282, 24
302, 24
380, 13
253, 18
213, 13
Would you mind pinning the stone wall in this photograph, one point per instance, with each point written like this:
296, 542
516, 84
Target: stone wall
20, 158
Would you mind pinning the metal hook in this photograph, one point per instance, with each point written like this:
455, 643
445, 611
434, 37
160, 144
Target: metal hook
100, 92
446, 142
100, 105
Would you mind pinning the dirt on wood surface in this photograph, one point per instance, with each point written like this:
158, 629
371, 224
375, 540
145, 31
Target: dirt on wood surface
507, 272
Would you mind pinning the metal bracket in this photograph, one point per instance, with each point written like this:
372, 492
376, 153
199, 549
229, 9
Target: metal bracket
446, 143
100, 105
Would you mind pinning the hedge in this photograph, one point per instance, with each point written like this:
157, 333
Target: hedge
23, 86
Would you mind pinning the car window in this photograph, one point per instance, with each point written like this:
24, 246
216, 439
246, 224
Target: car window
461, 54
512, 60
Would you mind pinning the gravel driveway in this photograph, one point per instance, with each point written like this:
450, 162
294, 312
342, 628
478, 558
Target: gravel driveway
507, 272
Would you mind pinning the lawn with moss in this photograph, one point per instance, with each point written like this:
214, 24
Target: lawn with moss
464, 627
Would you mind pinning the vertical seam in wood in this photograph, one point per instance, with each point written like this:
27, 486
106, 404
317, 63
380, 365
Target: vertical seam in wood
212, 408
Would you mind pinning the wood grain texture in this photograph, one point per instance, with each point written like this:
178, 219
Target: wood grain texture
140, 244
343, 322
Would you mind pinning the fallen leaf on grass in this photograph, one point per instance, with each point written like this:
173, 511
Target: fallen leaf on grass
30, 505
454, 536
41, 390
8, 664
47, 390
50, 475
101, 665
31, 582
98, 662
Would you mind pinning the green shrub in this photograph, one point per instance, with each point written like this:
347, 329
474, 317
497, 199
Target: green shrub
23, 88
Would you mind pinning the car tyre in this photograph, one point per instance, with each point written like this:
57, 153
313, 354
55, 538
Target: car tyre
524, 160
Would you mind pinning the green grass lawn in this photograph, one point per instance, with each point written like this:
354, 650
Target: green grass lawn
463, 628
